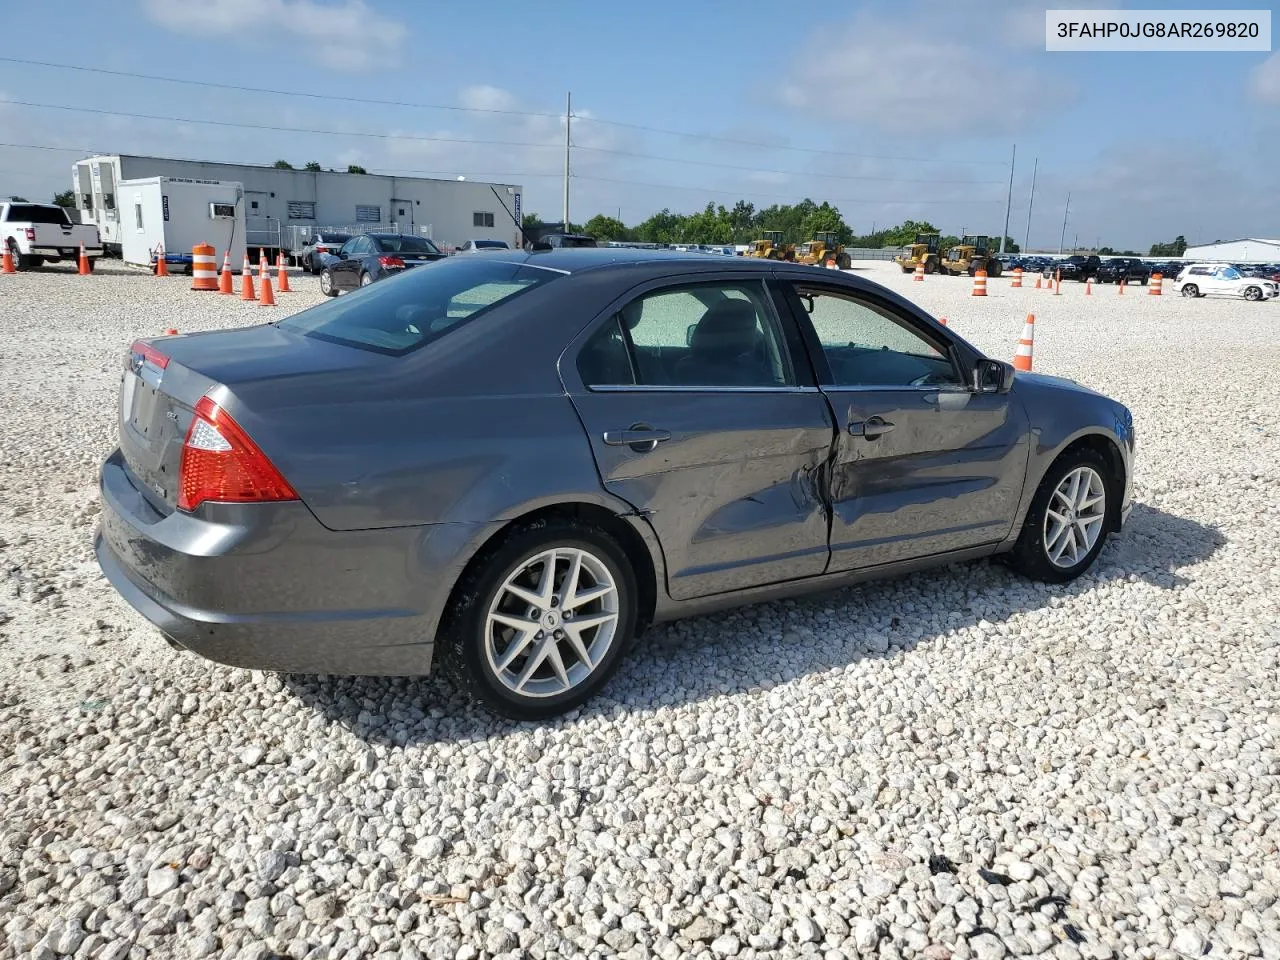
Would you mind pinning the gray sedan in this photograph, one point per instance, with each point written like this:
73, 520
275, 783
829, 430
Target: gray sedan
509, 463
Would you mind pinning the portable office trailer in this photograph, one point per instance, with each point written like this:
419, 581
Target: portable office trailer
277, 200
176, 214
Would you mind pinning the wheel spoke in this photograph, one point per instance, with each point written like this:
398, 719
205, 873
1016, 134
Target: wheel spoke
587, 595
557, 664
573, 633
516, 623
547, 582
594, 620
526, 595
1090, 501
1056, 534
569, 589
516, 648
534, 662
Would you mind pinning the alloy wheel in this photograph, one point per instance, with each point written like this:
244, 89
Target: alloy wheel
551, 622
1075, 517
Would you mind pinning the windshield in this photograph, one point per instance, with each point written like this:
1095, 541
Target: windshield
332, 238
405, 244
490, 244
406, 312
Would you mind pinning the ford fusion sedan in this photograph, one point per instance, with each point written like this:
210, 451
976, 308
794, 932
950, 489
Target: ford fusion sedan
373, 256
507, 465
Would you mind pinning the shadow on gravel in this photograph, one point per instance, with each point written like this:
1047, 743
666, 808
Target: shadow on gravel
736, 651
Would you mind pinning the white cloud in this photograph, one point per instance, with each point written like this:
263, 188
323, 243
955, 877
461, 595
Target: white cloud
1264, 81
484, 97
912, 75
346, 36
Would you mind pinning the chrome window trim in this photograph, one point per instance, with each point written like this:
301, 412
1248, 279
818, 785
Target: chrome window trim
656, 388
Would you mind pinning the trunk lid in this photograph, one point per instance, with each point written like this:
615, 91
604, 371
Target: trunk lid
164, 378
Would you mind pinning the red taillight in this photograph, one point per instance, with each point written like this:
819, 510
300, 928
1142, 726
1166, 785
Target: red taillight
31, 233
391, 261
149, 353
220, 462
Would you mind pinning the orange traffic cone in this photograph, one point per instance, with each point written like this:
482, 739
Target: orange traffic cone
224, 278
246, 281
8, 266
282, 278
162, 265
919, 277
262, 265
980, 283
84, 269
204, 269
1121, 293
1088, 288
1037, 282
1017, 278
1057, 284
1154, 289
171, 332
265, 297
1022, 356
943, 321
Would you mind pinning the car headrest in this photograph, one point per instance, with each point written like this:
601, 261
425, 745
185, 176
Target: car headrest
728, 327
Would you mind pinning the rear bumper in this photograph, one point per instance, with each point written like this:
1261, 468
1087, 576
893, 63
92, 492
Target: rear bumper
267, 587
57, 253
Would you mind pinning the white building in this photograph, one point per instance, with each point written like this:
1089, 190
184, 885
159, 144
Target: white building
1237, 251
282, 207
174, 215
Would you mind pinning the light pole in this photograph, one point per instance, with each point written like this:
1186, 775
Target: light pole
1063, 236
568, 114
1026, 245
1008, 203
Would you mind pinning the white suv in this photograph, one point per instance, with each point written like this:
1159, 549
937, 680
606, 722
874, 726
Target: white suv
1224, 280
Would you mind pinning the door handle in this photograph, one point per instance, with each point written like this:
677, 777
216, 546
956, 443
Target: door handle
871, 428
641, 440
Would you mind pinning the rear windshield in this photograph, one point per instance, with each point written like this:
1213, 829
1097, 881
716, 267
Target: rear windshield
405, 244
333, 238
406, 312
490, 244
35, 213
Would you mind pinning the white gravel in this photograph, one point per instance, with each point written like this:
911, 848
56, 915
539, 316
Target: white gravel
956, 764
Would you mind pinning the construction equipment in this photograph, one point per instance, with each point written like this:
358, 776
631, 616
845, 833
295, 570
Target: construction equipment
824, 246
923, 251
971, 255
771, 247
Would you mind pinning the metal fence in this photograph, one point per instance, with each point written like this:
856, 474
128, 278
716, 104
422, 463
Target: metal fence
872, 253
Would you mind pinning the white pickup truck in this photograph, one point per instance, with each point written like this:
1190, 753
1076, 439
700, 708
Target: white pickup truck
36, 232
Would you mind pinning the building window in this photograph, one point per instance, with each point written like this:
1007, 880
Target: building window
302, 210
137, 215
482, 219
253, 204
368, 214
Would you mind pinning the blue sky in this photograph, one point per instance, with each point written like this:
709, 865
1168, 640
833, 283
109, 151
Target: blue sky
889, 110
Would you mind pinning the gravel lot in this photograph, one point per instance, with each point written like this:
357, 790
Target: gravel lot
957, 764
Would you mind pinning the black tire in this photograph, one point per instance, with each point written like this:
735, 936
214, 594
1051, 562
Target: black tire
461, 640
843, 261
1253, 294
326, 284
993, 268
1029, 556
1190, 290
365, 278
930, 266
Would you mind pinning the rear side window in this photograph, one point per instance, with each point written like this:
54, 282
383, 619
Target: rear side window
403, 314
695, 335
35, 213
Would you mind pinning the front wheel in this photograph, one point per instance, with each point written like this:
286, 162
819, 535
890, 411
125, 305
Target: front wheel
541, 620
1066, 526
1253, 293
1190, 290
843, 261
326, 284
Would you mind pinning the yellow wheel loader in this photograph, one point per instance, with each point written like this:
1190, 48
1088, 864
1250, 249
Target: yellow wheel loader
971, 255
771, 247
823, 247
924, 250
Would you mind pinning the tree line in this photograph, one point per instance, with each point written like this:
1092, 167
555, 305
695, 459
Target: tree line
743, 222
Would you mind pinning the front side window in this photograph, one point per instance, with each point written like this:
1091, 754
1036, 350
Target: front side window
696, 335
869, 345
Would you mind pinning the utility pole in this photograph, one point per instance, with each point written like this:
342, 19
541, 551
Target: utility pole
568, 115
1062, 238
1075, 243
1008, 203
1026, 243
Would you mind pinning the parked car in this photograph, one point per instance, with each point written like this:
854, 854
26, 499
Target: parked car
319, 245
373, 256
484, 244
1128, 269
1259, 271
1035, 264
1222, 280
553, 241
1168, 269
1077, 267
506, 466
36, 233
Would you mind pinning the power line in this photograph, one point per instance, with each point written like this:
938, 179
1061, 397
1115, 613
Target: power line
489, 110
794, 173
776, 196
281, 93
273, 127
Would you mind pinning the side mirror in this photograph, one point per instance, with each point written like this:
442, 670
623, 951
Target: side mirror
992, 376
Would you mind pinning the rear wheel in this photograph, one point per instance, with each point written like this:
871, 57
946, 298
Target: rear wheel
931, 266
1066, 527
1253, 293
994, 267
541, 620
365, 279
843, 261
1190, 290
326, 284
